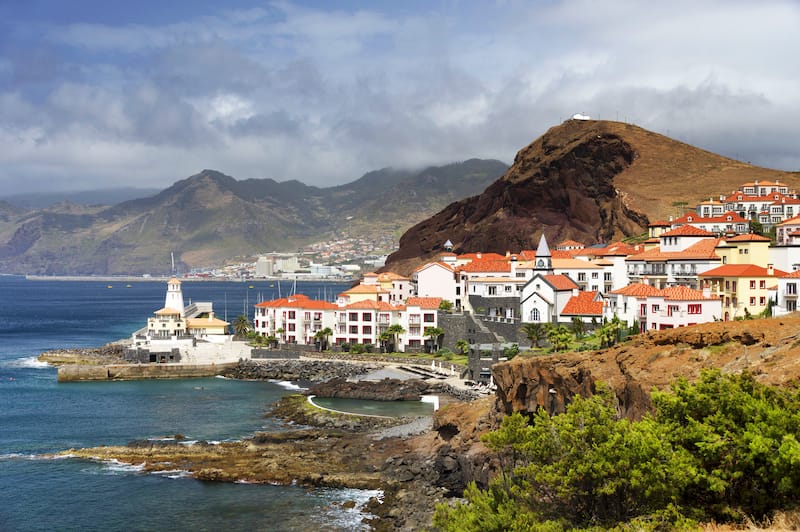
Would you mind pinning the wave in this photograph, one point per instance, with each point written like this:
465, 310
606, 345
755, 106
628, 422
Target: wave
114, 466
173, 473
26, 362
350, 518
288, 385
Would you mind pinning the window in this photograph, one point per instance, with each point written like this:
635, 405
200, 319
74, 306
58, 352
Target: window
607, 276
791, 288
535, 315
291, 314
762, 301
733, 286
752, 302
654, 308
595, 275
492, 290
353, 316
752, 285
291, 327
354, 329
762, 284
508, 288
791, 306
366, 329
581, 276
366, 316
695, 309
307, 316
429, 318
727, 285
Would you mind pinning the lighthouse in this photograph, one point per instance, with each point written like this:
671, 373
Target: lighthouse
174, 299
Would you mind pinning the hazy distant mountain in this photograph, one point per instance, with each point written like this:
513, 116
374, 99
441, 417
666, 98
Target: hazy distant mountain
209, 217
111, 196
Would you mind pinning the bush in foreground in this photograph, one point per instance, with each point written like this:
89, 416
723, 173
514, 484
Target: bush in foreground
724, 448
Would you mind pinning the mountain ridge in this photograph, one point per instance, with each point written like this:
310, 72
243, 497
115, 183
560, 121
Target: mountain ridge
588, 180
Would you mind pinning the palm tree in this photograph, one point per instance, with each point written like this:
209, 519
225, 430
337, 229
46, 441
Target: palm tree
384, 338
241, 326
434, 333
578, 327
559, 337
462, 346
279, 331
535, 332
395, 330
322, 336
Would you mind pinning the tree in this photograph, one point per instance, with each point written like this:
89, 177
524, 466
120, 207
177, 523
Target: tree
446, 306
322, 338
511, 351
395, 330
384, 339
583, 468
535, 332
559, 337
279, 331
241, 326
462, 346
578, 327
434, 333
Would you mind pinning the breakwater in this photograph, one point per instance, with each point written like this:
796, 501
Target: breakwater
110, 372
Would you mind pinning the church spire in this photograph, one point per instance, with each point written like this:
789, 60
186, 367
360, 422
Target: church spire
544, 260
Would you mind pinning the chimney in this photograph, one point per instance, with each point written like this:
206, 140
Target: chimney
706, 290
211, 316
478, 255
645, 280
770, 269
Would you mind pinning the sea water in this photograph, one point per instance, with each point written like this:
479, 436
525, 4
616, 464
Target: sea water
39, 416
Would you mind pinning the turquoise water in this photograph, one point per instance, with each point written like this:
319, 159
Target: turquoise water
376, 408
38, 415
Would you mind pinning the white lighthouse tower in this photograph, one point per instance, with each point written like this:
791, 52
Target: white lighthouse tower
174, 299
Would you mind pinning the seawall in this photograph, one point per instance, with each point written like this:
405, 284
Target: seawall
140, 371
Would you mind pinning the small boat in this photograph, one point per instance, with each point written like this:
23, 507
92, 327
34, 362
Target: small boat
251, 286
110, 286
128, 286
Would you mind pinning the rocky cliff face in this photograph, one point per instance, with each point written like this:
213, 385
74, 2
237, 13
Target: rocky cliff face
586, 180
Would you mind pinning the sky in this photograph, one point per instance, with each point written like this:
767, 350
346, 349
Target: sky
104, 93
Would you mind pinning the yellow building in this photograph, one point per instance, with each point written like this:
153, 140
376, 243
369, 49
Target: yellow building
744, 249
202, 326
742, 288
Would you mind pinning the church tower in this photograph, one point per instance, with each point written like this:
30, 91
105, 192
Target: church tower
544, 260
174, 299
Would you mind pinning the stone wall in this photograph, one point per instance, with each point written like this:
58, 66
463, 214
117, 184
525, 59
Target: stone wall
279, 353
145, 356
139, 371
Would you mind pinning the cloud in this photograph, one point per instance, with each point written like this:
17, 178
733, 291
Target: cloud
319, 94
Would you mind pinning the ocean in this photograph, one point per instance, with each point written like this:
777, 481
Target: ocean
40, 416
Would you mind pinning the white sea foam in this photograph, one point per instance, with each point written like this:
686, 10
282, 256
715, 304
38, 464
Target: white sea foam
350, 518
220, 377
27, 362
288, 385
173, 473
115, 466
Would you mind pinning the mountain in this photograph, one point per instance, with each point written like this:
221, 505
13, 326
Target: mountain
209, 217
587, 180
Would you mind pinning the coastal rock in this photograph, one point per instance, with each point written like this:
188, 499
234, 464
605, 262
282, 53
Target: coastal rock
383, 390
298, 370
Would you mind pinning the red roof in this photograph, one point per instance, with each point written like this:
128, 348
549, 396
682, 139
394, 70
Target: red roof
682, 293
298, 301
560, 282
437, 263
687, 230
583, 304
638, 290
482, 256
424, 302
703, 249
794, 275
723, 218
370, 304
482, 266
569, 244
750, 237
742, 270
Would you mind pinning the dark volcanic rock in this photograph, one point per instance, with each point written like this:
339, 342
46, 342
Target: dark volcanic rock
562, 184
383, 390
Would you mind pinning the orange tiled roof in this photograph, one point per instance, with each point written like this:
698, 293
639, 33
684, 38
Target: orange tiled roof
481, 256
583, 304
298, 301
793, 275
637, 290
773, 196
704, 249
791, 221
570, 263
560, 282
741, 270
682, 293
371, 304
687, 230
749, 237
483, 265
391, 276
660, 223
166, 311
437, 263
424, 302
569, 244
695, 219
365, 289
194, 323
